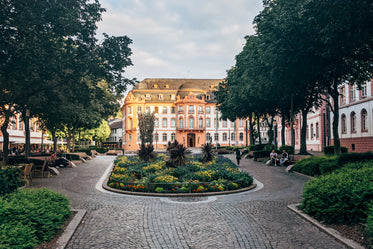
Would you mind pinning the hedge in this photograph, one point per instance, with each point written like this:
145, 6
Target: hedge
355, 157
370, 224
256, 147
9, 180
31, 216
342, 197
329, 150
289, 149
314, 166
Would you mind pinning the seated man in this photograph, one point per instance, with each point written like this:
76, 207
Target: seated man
273, 157
61, 161
284, 158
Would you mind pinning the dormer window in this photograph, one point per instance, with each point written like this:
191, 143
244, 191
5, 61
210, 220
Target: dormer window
166, 86
208, 97
147, 96
160, 96
155, 86
173, 97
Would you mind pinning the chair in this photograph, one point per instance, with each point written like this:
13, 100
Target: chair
27, 173
41, 170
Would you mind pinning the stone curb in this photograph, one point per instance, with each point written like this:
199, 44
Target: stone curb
71, 228
330, 231
104, 185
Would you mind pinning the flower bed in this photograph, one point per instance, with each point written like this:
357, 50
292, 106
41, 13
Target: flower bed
221, 174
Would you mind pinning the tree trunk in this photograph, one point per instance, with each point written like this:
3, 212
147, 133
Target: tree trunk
337, 142
53, 131
303, 134
251, 128
283, 126
26, 120
4, 128
258, 126
270, 131
292, 122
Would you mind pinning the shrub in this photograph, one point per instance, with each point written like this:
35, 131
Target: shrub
146, 152
261, 154
207, 153
32, 215
314, 166
329, 150
355, 157
289, 149
72, 157
370, 224
342, 197
269, 147
256, 147
9, 180
178, 155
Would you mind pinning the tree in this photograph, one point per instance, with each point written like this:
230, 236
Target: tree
102, 132
146, 127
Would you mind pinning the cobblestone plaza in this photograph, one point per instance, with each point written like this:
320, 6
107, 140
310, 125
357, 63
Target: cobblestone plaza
255, 219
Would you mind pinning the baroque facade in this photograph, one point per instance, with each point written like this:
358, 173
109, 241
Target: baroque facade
185, 110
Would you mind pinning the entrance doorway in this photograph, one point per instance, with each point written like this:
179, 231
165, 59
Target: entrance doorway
191, 138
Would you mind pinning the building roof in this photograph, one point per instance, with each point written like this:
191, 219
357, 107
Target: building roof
116, 125
177, 84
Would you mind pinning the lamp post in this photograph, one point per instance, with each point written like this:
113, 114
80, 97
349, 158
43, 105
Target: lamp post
275, 132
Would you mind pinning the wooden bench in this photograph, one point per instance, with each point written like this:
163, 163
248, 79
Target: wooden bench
82, 155
27, 174
114, 152
41, 169
295, 158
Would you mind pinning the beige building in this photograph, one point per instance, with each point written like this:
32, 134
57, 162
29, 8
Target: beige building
185, 110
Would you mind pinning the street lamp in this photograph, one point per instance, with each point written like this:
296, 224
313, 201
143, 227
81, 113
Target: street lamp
275, 132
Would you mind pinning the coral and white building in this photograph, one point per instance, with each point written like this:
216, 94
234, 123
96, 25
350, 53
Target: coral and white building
185, 110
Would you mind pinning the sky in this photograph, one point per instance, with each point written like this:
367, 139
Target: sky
180, 39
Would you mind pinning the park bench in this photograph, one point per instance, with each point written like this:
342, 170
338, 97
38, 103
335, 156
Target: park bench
41, 169
114, 152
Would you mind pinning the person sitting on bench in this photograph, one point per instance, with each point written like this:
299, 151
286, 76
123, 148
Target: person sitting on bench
273, 157
284, 158
61, 161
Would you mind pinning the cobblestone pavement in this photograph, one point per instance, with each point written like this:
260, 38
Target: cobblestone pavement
254, 219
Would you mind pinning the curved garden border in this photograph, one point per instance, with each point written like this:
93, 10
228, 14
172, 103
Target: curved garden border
106, 187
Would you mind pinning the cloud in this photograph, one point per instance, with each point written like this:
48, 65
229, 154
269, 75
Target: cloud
193, 38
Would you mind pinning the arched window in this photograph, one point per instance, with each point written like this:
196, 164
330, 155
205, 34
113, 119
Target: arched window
224, 136
241, 136
353, 122
343, 124
364, 120
181, 123
164, 137
191, 123
173, 136
200, 123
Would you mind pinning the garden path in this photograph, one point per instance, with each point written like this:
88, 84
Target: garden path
254, 219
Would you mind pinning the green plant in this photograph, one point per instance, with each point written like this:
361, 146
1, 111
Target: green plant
355, 157
9, 180
341, 197
207, 152
329, 150
256, 147
289, 149
178, 155
260, 154
159, 190
146, 152
32, 215
269, 147
370, 224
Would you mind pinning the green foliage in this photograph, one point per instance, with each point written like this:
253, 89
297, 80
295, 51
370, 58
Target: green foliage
9, 180
256, 147
370, 224
329, 150
178, 155
289, 149
72, 157
33, 215
146, 152
146, 126
261, 154
355, 157
102, 132
269, 147
342, 197
314, 166
207, 152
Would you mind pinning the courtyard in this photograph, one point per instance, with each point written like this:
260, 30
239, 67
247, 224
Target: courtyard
258, 218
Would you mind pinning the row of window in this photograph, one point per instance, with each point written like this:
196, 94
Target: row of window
190, 108
225, 137
352, 92
191, 123
314, 132
17, 124
353, 122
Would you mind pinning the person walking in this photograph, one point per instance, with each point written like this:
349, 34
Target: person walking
238, 155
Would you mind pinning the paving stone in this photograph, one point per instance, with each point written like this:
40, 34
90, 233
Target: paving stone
254, 219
